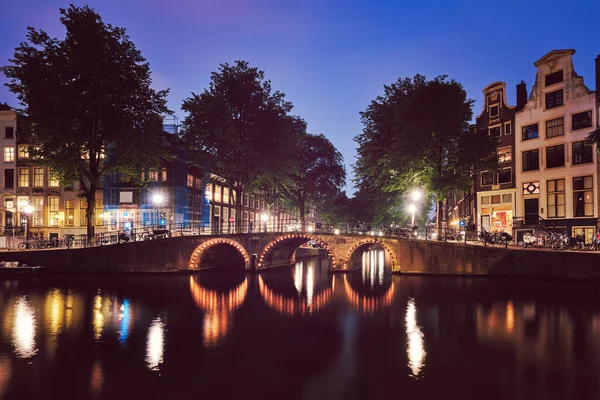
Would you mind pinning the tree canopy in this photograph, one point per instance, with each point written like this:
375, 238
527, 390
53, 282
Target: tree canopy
244, 126
319, 174
417, 134
88, 103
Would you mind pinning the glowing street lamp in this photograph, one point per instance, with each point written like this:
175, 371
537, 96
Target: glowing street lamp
264, 217
28, 209
412, 209
158, 199
416, 195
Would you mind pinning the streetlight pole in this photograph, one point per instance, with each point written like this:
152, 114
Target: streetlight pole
28, 210
412, 208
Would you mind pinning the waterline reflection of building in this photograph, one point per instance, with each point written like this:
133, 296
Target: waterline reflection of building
118, 315
415, 344
218, 308
313, 287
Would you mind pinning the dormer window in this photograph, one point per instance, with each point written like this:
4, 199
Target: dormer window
553, 78
494, 111
554, 99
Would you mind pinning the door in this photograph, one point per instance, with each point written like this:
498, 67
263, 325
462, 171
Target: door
485, 222
531, 211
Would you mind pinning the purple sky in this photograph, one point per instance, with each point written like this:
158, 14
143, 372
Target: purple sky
332, 57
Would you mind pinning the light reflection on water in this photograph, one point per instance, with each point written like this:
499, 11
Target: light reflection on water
364, 334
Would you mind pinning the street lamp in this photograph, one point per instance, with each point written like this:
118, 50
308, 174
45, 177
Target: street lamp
264, 218
411, 209
27, 210
158, 199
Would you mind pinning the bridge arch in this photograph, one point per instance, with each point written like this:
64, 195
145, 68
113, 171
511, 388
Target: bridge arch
366, 303
292, 306
353, 252
196, 257
282, 250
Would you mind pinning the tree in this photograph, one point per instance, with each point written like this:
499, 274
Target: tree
244, 126
417, 134
88, 105
319, 172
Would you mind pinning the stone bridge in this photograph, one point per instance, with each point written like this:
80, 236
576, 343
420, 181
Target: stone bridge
261, 251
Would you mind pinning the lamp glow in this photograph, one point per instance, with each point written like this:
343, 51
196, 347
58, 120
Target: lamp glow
416, 195
158, 198
28, 209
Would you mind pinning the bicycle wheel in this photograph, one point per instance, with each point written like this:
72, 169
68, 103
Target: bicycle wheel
22, 246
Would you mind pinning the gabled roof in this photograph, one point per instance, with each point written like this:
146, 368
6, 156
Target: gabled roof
553, 55
493, 85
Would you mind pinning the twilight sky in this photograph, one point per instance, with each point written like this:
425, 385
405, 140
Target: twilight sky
332, 57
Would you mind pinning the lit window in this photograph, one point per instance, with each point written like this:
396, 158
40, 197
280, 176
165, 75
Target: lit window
23, 151
218, 193
9, 154
69, 212
163, 174
226, 195
23, 177
556, 198
38, 177
583, 196
82, 212
190, 180
53, 181
209, 191
53, 211
38, 211
504, 154
153, 175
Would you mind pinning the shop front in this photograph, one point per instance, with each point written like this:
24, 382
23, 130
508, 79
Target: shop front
496, 210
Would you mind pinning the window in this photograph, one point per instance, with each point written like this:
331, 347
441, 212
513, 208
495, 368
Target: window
23, 177
531, 160
555, 156
82, 211
53, 211
487, 178
252, 201
531, 187
496, 199
583, 152
508, 128
209, 192
530, 132
9, 154
9, 132
555, 77
9, 178
163, 174
507, 198
555, 127
153, 175
226, 195
99, 208
556, 198
583, 196
53, 180
554, 99
38, 211
38, 177
198, 183
504, 154
505, 175
485, 200
494, 111
246, 201
190, 180
218, 193
23, 150
581, 120
495, 131
262, 204
69, 212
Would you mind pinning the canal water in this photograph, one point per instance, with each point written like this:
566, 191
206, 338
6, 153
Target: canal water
298, 333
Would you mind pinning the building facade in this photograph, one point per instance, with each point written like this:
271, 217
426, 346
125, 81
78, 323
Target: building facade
557, 179
8, 128
496, 189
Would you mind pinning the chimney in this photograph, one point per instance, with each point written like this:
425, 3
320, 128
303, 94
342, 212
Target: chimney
522, 94
598, 81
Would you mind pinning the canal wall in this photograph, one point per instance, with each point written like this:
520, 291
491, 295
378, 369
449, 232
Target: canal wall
447, 258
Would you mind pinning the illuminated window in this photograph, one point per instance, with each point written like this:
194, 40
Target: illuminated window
556, 198
226, 195
163, 174
218, 193
153, 175
38, 211
99, 208
190, 180
504, 154
23, 177
23, 150
38, 177
69, 212
583, 196
53, 180
209, 192
9, 154
53, 211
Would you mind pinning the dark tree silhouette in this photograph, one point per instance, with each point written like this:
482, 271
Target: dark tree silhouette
88, 104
